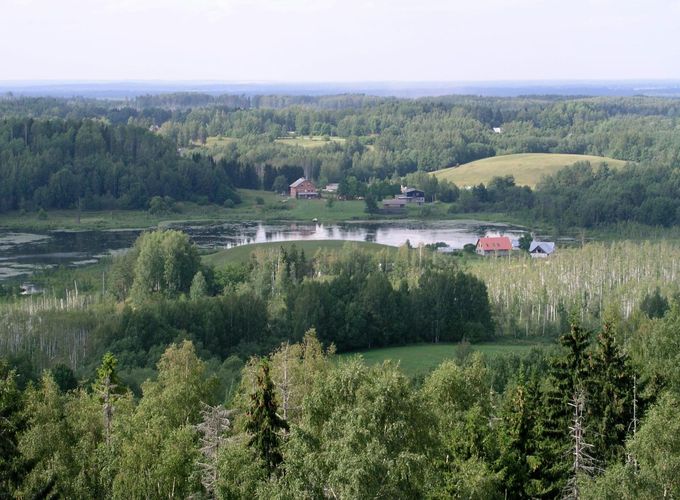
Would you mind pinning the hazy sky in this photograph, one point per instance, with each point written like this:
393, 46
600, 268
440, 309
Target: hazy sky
339, 40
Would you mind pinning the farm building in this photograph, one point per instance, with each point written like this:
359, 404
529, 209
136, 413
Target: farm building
332, 188
394, 204
412, 195
498, 245
541, 249
303, 188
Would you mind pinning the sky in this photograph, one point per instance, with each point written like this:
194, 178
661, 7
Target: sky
339, 40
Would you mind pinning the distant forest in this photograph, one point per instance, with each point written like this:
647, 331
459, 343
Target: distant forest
61, 152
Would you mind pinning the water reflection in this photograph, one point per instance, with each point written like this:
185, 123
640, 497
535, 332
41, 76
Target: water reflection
22, 253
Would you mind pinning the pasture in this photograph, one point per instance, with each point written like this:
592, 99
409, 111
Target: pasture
309, 141
527, 168
418, 360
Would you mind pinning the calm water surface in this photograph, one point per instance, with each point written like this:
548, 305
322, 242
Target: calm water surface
23, 253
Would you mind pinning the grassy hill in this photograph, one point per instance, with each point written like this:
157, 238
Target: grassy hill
242, 253
423, 358
527, 168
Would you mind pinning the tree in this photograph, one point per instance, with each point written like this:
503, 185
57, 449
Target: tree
166, 263
610, 394
108, 387
371, 204
199, 287
280, 184
263, 422
12, 421
654, 305
525, 241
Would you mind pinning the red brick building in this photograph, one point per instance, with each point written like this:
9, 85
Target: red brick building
303, 188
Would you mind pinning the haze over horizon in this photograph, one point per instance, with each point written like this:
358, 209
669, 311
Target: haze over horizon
288, 41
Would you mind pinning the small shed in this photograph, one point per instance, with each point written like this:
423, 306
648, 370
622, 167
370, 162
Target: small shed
303, 188
541, 249
332, 188
496, 245
394, 205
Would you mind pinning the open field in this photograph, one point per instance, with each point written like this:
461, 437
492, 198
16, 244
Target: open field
423, 358
528, 169
242, 253
309, 141
255, 205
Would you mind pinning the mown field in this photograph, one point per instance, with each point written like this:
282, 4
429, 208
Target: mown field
309, 141
255, 205
242, 253
423, 358
528, 168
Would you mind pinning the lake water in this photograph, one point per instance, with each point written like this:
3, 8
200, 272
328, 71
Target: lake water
23, 253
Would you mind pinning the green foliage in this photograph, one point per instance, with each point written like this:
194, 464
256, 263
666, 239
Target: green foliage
654, 305
11, 424
199, 287
166, 263
363, 434
280, 184
525, 241
264, 423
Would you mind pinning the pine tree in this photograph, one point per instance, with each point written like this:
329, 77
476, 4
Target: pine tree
264, 423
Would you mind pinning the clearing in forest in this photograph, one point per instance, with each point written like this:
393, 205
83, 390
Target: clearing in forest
421, 359
310, 141
527, 168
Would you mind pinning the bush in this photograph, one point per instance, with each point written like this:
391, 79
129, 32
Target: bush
259, 200
42, 214
229, 203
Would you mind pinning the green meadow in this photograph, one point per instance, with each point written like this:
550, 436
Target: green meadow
421, 359
527, 168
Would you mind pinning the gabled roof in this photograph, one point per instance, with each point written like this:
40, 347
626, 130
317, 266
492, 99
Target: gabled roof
547, 247
298, 182
412, 190
494, 243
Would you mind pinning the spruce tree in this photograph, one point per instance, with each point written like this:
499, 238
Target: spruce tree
568, 375
610, 392
517, 436
264, 424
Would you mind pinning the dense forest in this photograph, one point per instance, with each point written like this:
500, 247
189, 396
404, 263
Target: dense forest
157, 375
62, 164
589, 420
109, 154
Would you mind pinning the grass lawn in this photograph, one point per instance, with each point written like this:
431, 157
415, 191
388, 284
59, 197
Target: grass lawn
309, 141
255, 205
423, 358
242, 253
526, 168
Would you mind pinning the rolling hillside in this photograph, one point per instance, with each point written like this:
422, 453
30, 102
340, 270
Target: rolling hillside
527, 168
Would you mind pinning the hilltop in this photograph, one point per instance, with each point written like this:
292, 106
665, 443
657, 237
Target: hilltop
527, 168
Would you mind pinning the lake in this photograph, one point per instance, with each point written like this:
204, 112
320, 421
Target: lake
23, 253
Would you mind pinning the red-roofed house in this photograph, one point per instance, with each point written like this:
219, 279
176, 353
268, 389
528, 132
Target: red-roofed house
498, 245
